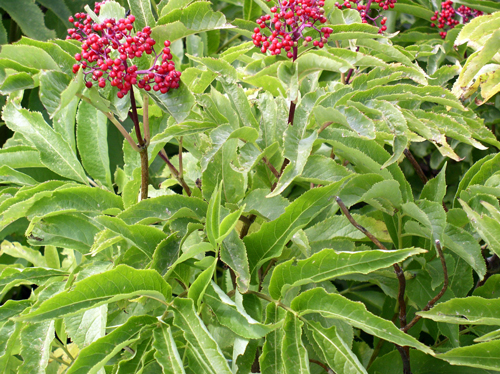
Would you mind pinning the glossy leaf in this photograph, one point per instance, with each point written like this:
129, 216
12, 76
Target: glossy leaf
328, 264
354, 313
94, 357
166, 350
123, 282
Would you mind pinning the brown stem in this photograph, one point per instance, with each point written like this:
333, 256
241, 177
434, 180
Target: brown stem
403, 351
325, 368
415, 165
135, 118
271, 167
492, 266
175, 172
144, 173
405, 357
435, 299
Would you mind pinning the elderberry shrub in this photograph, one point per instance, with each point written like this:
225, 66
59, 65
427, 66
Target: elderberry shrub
107, 48
447, 18
364, 9
287, 26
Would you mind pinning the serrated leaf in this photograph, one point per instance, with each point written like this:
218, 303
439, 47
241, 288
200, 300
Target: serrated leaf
29, 17
15, 277
233, 253
166, 353
19, 251
205, 350
92, 141
271, 359
143, 15
483, 355
212, 226
36, 340
55, 153
145, 238
337, 353
123, 282
295, 358
86, 327
92, 358
435, 189
200, 284
487, 227
233, 316
354, 313
328, 264
470, 310
269, 241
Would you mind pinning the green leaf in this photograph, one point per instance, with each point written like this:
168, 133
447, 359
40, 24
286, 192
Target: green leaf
85, 328
11, 277
199, 286
28, 56
52, 84
145, 238
429, 213
166, 353
91, 359
36, 340
55, 153
82, 199
141, 9
328, 264
205, 350
487, 227
295, 358
271, 359
20, 156
92, 141
228, 224
466, 246
123, 282
354, 313
19, 251
269, 241
164, 208
29, 17
12, 308
336, 351
213, 217
484, 5
233, 316
470, 310
483, 355
270, 208
10, 176
177, 103
234, 254
435, 189
414, 9
16, 82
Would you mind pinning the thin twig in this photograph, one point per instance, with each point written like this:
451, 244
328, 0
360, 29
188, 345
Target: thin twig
325, 368
415, 165
435, 299
115, 122
135, 118
60, 360
174, 172
271, 167
403, 351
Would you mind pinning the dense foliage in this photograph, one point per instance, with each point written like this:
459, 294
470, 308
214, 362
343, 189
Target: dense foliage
299, 186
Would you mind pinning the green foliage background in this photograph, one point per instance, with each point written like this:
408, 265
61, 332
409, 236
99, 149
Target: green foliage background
250, 272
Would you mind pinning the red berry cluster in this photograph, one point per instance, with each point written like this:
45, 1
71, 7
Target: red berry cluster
446, 19
365, 9
287, 26
106, 47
